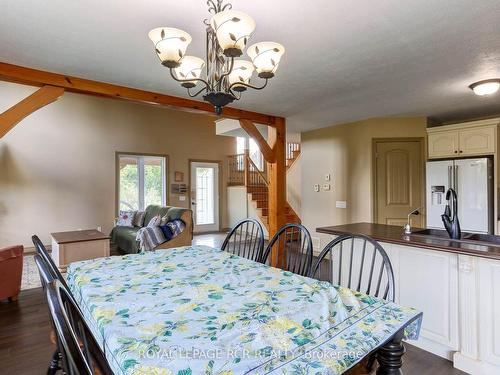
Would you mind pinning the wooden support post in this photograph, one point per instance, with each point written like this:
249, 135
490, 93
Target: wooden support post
277, 185
37, 100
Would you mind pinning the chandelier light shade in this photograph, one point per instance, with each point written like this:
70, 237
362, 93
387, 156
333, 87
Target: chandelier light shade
233, 29
223, 79
266, 57
170, 45
191, 68
486, 87
242, 72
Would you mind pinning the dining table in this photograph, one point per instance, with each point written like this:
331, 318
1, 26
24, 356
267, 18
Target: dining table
201, 310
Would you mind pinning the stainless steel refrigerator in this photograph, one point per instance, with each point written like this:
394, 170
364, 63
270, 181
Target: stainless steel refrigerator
472, 179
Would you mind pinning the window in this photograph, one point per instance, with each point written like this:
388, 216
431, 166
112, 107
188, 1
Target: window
253, 150
256, 155
141, 181
240, 145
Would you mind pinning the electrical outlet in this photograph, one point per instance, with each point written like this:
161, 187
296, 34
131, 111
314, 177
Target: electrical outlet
327, 177
316, 188
99, 228
326, 187
182, 198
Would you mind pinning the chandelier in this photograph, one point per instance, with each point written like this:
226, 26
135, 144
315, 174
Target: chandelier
226, 76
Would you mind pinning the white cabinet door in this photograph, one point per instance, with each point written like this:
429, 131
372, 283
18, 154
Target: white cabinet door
477, 141
443, 144
489, 311
428, 281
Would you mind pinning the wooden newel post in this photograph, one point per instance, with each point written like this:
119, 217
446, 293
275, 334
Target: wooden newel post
277, 186
246, 166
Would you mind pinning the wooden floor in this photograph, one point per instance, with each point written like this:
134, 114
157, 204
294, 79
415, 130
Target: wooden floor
25, 347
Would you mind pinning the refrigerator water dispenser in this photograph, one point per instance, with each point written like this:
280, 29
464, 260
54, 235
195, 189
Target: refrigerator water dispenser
437, 193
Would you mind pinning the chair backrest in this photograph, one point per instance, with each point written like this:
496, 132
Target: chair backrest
294, 246
246, 240
46, 276
44, 254
80, 351
356, 262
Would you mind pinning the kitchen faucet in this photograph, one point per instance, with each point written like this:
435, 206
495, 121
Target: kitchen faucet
407, 227
452, 224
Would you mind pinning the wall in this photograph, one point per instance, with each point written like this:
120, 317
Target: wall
293, 185
241, 206
57, 167
345, 151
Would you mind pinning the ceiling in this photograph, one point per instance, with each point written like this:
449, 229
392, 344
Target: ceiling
344, 60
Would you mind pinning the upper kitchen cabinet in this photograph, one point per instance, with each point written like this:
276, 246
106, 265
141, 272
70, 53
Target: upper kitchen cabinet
443, 144
465, 139
477, 141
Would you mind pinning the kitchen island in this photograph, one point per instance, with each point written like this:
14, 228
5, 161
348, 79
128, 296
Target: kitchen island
455, 283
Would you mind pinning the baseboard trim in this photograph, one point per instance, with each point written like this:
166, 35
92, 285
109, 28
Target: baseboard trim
473, 366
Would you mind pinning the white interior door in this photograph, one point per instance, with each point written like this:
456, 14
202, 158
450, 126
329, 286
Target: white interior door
205, 196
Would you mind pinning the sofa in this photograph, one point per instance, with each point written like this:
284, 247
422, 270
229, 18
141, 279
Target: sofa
124, 237
11, 272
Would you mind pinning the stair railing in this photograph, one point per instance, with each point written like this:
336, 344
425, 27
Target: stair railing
236, 170
254, 177
291, 148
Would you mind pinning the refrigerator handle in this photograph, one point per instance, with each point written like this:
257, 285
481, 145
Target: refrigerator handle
449, 176
455, 178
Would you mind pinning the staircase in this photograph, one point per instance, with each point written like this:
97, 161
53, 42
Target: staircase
244, 172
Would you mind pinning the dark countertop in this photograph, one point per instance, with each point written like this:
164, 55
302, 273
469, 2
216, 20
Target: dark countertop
394, 234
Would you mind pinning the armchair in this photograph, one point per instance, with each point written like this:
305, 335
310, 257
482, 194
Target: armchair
11, 271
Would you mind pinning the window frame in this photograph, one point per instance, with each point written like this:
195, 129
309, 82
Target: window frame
166, 173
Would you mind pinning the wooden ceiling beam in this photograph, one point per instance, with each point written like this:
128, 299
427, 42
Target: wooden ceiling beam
34, 77
40, 98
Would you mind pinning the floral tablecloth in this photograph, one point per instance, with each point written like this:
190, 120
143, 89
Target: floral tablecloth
198, 310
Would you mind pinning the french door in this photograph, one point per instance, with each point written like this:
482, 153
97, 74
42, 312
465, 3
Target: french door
205, 196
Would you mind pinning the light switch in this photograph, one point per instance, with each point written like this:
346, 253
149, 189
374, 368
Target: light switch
182, 198
341, 204
327, 177
326, 187
316, 188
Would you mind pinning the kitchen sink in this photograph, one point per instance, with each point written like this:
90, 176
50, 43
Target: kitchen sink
431, 233
466, 237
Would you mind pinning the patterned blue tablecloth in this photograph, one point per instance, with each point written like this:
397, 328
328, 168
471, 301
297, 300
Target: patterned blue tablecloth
198, 310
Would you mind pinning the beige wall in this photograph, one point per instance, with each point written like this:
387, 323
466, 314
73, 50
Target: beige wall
57, 167
345, 152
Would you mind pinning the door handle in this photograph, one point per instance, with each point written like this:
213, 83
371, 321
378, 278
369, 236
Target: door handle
449, 176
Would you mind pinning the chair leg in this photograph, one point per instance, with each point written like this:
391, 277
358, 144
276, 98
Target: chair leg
54, 364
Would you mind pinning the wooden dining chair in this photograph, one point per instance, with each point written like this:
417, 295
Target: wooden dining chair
81, 354
246, 240
356, 262
49, 272
294, 246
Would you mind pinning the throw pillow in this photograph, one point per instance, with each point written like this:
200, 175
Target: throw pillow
155, 221
138, 219
167, 231
125, 218
176, 226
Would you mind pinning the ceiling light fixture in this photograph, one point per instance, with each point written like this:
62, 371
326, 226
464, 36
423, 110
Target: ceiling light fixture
228, 32
486, 87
